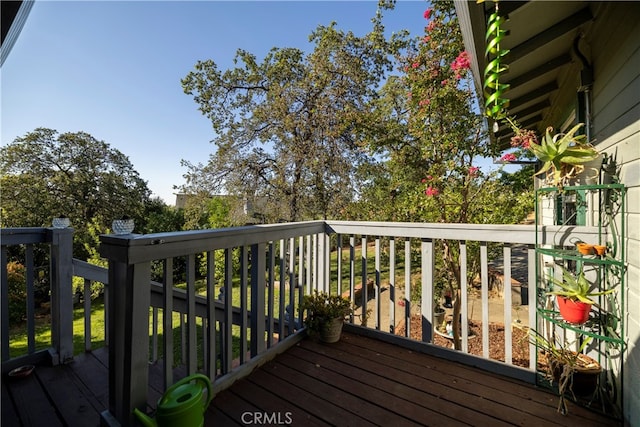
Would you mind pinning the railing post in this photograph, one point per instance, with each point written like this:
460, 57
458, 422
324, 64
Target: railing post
61, 294
129, 302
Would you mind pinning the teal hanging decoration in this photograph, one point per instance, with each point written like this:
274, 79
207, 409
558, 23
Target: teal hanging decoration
495, 104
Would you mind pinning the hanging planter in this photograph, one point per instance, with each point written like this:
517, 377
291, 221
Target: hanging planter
574, 295
575, 312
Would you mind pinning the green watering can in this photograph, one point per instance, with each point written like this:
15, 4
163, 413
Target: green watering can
182, 405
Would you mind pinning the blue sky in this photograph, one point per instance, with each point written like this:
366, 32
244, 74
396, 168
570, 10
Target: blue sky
113, 69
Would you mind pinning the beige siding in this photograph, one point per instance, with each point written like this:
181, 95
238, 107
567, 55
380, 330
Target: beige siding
616, 119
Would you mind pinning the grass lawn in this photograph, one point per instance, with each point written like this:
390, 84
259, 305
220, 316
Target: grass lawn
18, 334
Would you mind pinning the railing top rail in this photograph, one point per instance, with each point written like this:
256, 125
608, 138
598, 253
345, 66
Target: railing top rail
134, 248
28, 235
507, 233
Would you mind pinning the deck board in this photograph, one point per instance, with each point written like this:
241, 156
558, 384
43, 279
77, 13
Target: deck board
358, 381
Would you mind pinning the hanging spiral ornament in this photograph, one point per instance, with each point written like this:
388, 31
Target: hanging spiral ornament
495, 104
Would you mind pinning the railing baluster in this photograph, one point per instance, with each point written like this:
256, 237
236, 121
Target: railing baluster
258, 265
31, 318
292, 285
183, 339
533, 289
282, 291
339, 262
364, 293
484, 279
192, 329
352, 270
227, 340
167, 322
464, 297
407, 287
87, 314
271, 294
507, 305
428, 272
376, 289
308, 263
392, 285
154, 334
301, 276
244, 311
210, 331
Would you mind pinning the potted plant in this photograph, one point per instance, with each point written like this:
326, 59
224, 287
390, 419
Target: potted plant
575, 373
574, 295
563, 155
325, 315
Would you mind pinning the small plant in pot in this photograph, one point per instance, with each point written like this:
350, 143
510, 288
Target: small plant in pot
574, 295
324, 315
575, 373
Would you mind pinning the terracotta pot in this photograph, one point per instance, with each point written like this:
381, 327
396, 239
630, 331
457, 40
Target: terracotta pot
575, 312
585, 248
600, 249
331, 330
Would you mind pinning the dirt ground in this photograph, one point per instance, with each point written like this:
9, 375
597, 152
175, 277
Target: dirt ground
520, 347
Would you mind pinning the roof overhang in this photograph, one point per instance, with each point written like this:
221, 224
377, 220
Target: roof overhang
548, 56
14, 15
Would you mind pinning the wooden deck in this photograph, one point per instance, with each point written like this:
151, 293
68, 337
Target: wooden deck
357, 382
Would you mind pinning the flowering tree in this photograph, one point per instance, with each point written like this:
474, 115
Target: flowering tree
433, 168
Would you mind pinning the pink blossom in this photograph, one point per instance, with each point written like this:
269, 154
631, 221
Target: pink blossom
429, 177
424, 102
431, 191
473, 170
509, 157
444, 82
426, 39
415, 65
427, 13
460, 63
430, 26
423, 180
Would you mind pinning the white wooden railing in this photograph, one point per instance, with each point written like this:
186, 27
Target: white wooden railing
247, 313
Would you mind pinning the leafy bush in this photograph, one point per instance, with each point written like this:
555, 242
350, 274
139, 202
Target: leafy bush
16, 278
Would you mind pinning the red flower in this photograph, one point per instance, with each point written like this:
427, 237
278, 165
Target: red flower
423, 180
427, 13
473, 170
415, 65
430, 191
444, 82
509, 157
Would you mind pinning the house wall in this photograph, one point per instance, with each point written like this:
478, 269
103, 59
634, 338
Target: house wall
615, 55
